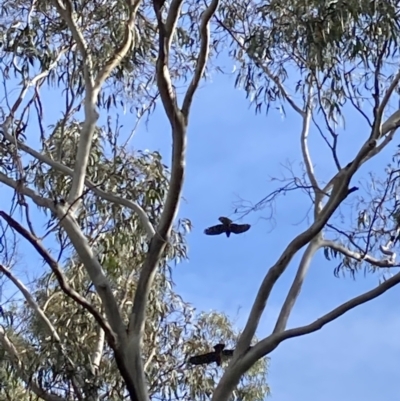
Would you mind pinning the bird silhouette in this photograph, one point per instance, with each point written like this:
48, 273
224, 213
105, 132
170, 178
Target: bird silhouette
210, 357
226, 227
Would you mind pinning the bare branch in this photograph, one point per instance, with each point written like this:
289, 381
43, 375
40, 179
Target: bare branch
298, 281
202, 58
388, 130
379, 131
306, 153
98, 352
127, 42
357, 255
269, 343
22, 373
165, 33
40, 201
157, 244
68, 290
30, 300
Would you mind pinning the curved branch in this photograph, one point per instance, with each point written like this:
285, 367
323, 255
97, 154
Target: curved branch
92, 87
306, 154
298, 281
126, 44
203, 56
269, 343
157, 244
39, 200
357, 255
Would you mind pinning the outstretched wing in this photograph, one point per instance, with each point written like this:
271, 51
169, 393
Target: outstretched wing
202, 359
215, 230
225, 220
239, 228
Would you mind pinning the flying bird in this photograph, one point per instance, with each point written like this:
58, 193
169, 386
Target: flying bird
210, 357
226, 227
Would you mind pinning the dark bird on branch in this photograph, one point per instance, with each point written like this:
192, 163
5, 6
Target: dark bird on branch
210, 357
226, 227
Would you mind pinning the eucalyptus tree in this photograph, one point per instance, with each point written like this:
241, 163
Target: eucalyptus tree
112, 213
104, 321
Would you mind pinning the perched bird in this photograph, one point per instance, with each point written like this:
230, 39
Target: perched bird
211, 357
226, 227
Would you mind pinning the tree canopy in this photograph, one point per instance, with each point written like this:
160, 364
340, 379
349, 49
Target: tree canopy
103, 320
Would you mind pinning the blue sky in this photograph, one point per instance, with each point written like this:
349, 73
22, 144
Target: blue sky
232, 153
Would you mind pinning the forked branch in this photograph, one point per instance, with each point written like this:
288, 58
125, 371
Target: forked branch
178, 121
203, 55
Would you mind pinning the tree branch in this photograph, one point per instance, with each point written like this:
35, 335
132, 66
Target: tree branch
56, 269
105, 195
339, 192
93, 268
357, 255
91, 92
297, 284
98, 352
19, 368
389, 128
306, 153
157, 244
103, 288
378, 131
203, 56
269, 343
126, 44
39, 200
